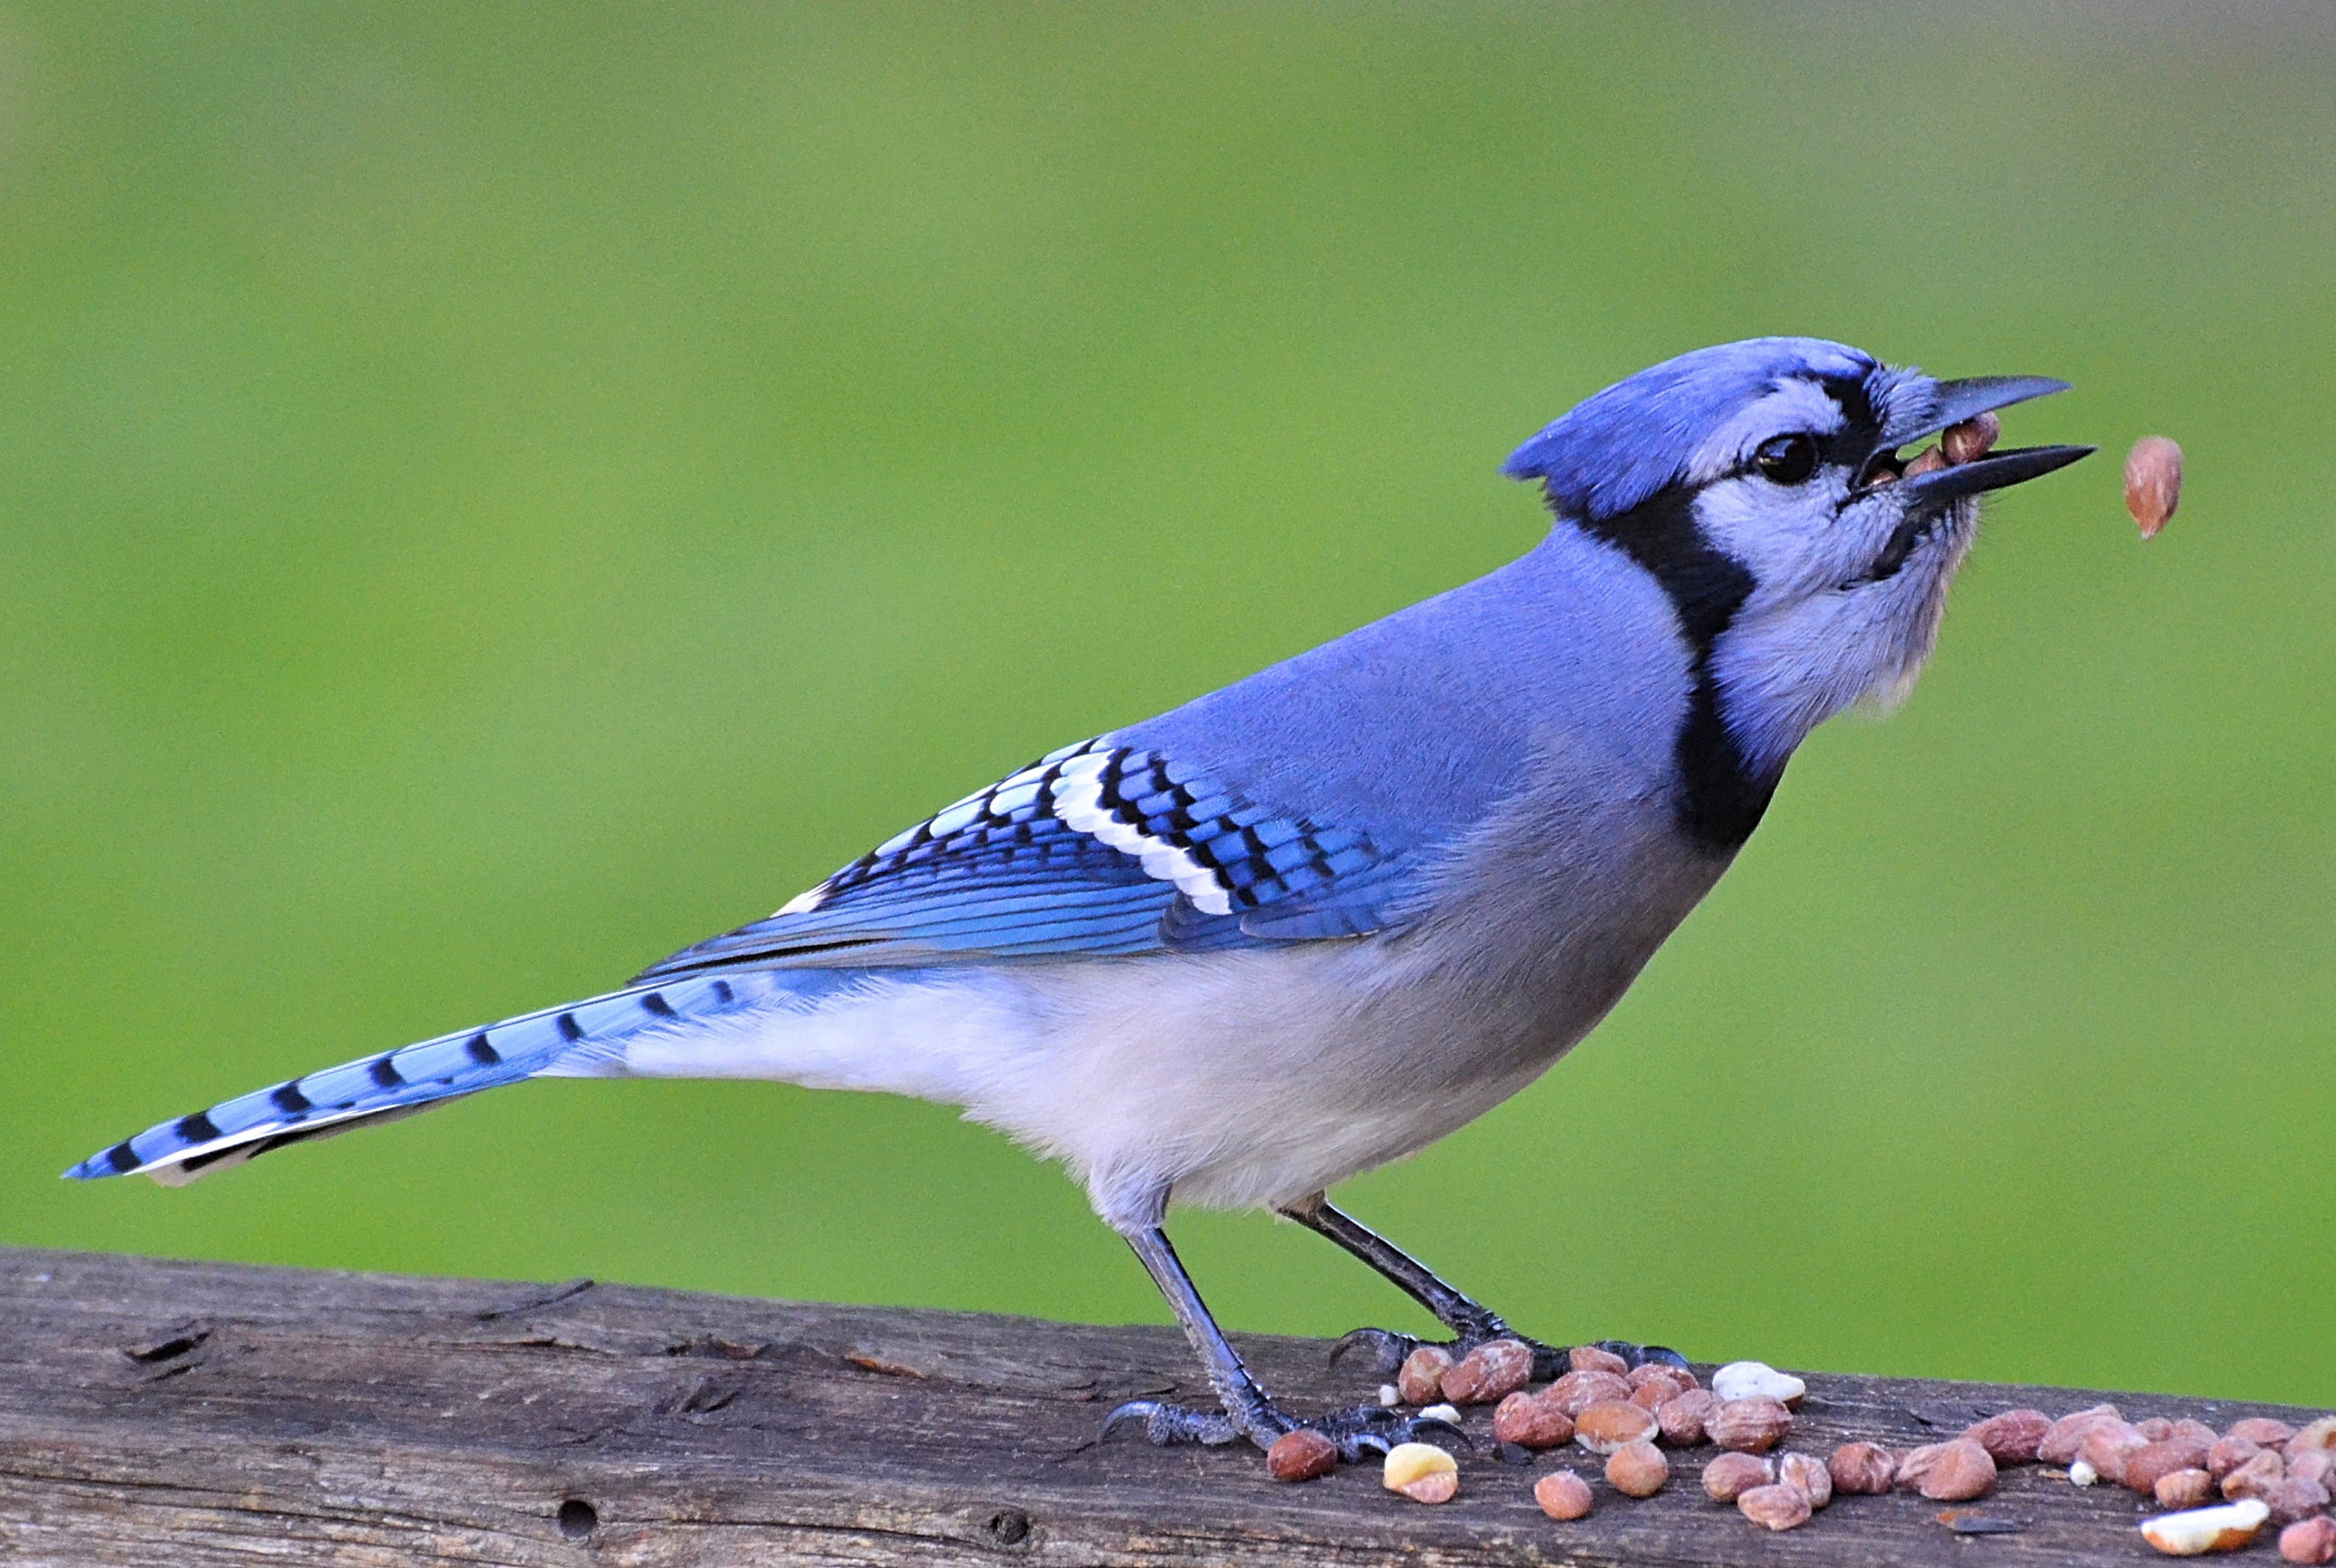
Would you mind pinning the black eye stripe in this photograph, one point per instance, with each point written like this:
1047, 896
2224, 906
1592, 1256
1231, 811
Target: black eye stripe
1851, 396
1854, 442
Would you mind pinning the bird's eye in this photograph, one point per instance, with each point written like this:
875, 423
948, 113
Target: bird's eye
1787, 459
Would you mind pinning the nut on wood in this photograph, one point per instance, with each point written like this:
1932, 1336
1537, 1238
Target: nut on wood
1562, 1494
2199, 1530
1421, 1472
1637, 1469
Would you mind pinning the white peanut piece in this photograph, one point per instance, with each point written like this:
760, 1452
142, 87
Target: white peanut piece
1754, 1380
1421, 1472
2204, 1530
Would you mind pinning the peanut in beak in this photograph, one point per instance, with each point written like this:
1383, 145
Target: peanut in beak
1972, 439
1958, 444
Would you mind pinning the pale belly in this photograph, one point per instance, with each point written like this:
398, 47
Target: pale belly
1234, 1079
1250, 1078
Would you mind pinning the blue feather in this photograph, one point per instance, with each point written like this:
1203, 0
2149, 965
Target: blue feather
402, 1082
1004, 874
1613, 450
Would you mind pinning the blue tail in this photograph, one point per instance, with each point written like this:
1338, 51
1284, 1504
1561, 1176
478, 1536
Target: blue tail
569, 1039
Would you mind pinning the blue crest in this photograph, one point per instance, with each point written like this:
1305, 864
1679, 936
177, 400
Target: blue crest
1615, 449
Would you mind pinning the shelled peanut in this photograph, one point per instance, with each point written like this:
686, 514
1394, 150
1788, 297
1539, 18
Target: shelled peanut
2153, 483
2214, 1487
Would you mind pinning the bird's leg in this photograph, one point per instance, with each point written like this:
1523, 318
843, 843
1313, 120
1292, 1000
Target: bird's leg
1247, 1410
1471, 1323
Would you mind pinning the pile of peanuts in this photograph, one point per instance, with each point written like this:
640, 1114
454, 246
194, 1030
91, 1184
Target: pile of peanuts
2260, 1471
2263, 1472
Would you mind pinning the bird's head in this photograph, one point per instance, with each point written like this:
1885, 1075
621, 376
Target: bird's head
1764, 484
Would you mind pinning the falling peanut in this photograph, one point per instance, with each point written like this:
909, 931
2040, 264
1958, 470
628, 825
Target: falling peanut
2153, 483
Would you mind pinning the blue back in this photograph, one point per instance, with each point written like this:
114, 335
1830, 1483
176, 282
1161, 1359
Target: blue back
1332, 780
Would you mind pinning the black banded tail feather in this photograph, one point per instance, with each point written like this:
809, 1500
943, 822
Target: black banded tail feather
201, 1159
399, 1082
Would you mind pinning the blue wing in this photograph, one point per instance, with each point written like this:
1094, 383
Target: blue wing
1094, 850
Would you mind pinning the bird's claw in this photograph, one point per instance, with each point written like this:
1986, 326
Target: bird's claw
1166, 1424
1375, 1428
1390, 1349
1365, 1429
1637, 1356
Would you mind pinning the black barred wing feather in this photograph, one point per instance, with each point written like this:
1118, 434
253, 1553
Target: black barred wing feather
1094, 850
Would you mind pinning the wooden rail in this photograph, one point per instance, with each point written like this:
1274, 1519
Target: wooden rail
195, 1414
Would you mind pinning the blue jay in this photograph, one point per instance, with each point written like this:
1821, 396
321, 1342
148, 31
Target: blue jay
1313, 921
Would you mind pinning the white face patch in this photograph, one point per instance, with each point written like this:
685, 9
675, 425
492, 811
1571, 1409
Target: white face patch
1818, 631
1796, 406
1791, 537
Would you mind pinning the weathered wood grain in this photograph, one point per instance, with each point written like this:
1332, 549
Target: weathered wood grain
196, 1415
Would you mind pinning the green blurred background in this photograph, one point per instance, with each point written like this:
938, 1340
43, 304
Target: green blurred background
492, 494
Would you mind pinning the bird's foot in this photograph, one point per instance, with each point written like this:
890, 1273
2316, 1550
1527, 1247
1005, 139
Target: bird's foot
1365, 1429
1389, 1349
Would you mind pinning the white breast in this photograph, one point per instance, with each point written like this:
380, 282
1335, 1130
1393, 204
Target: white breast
1251, 1078
1245, 1078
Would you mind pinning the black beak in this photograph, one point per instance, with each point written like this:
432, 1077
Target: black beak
1995, 471
1953, 402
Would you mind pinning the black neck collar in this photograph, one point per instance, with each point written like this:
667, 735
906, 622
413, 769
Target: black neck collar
1720, 800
